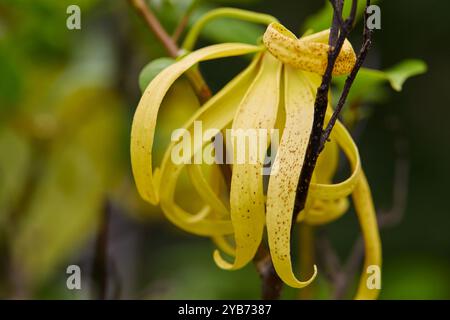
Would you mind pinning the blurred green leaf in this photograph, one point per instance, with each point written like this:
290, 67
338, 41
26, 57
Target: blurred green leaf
416, 277
11, 84
368, 87
63, 211
398, 74
83, 164
229, 30
15, 158
170, 12
233, 2
368, 83
151, 70
199, 277
322, 19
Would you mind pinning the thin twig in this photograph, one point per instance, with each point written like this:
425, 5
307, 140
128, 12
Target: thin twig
154, 25
337, 21
181, 27
320, 136
184, 21
100, 268
320, 107
386, 219
329, 261
367, 42
198, 83
271, 282
349, 270
313, 149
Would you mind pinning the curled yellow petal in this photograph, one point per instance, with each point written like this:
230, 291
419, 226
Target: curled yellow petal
216, 114
326, 211
205, 191
309, 53
365, 211
299, 105
327, 162
219, 185
257, 111
345, 188
144, 122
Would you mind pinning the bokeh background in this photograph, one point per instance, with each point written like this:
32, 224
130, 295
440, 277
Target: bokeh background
67, 195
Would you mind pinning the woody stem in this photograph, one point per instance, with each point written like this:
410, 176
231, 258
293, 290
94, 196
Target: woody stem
198, 83
339, 32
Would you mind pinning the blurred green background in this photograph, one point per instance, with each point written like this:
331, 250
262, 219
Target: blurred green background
66, 103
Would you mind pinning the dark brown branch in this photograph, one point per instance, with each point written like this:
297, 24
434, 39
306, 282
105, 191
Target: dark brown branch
314, 147
270, 281
320, 107
337, 21
367, 42
319, 136
100, 268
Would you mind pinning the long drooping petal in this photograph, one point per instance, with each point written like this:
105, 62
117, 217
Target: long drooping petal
363, 202
299, 105
216, 114
144, 122
255, 117
365, 211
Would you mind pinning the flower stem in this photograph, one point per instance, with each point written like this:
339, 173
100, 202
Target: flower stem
233, 13
184, 21
318, 135
198, 83
155, 26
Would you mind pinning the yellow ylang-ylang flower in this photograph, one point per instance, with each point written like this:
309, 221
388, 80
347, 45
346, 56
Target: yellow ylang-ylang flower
277, 90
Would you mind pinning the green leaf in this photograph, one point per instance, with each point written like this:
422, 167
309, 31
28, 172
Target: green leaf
234, 2
398, 74
368, 82
63, 210
228, 30
170, 12
368, 86
151, 70
11, 82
